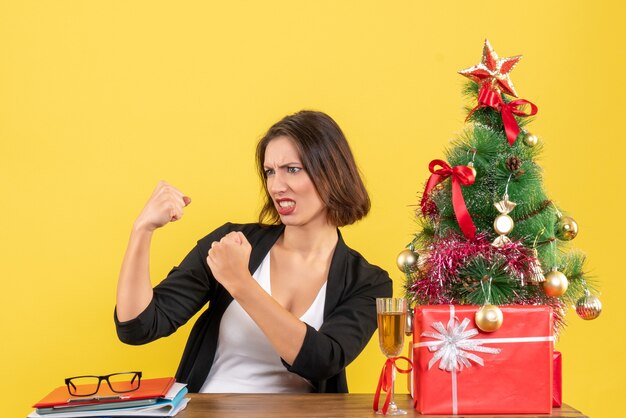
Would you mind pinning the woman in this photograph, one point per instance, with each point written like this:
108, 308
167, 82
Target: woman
289, 304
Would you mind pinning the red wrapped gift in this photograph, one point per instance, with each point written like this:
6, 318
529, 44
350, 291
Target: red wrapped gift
557, 400
459, 369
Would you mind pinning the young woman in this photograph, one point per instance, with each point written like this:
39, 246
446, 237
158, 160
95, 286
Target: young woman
289, 304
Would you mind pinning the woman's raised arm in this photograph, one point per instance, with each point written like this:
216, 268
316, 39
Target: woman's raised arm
134, 288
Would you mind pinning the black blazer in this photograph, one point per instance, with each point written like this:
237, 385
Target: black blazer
349, 311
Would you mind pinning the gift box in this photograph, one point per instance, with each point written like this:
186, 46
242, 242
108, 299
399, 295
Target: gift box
557, 362
459, 369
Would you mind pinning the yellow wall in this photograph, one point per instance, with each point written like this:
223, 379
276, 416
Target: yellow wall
99, 100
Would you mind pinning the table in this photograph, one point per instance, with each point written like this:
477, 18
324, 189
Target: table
210, 405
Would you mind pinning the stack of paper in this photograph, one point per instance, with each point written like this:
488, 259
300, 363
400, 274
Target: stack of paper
161, 397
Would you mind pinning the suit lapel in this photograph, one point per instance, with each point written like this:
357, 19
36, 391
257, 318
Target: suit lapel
336, 276
262, 241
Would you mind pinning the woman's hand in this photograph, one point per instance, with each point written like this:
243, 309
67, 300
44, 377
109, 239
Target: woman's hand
228, 259
165, 205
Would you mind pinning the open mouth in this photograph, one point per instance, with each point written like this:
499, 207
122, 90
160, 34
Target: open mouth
285, 206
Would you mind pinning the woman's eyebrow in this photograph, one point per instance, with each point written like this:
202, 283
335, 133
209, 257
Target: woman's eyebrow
284, 165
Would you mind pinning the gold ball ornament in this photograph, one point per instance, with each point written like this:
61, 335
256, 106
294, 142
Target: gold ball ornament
503, 224
566, 228
470, 165
489, 318
555, 284
407, 260
530, 140
588, 307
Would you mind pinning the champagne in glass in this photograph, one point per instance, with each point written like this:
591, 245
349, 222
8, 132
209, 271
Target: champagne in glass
391, 314
391, 332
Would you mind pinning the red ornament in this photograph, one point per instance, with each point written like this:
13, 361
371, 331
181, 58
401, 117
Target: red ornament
493, 71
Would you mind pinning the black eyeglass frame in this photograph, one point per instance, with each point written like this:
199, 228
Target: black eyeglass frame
68, 382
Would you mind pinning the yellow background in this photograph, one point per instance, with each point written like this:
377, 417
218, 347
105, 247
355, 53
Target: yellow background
100, 100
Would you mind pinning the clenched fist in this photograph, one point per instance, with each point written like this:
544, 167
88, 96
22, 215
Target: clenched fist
165, 205
228, 260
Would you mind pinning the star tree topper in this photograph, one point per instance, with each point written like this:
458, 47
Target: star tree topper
493, 70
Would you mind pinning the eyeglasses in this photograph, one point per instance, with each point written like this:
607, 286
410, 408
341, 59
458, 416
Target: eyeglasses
89, 385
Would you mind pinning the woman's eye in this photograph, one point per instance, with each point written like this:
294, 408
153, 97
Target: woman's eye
293, 170
268, 172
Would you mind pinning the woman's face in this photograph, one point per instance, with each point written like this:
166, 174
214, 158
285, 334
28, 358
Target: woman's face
294, 195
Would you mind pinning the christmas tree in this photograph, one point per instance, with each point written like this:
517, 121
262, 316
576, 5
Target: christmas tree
489, 234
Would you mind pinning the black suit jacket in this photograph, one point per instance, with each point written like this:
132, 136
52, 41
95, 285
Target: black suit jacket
349, 311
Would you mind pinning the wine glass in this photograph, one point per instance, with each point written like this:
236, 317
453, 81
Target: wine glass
391, 313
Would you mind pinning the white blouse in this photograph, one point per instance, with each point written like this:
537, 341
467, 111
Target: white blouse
245, 361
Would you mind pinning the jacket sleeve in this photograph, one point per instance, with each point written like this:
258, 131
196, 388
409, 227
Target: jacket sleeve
185, 290
345, 331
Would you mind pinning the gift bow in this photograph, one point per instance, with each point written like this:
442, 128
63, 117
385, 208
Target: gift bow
461, 175
385, 382
454, 344
489, 97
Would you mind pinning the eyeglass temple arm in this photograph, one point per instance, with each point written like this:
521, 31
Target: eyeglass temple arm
136, 376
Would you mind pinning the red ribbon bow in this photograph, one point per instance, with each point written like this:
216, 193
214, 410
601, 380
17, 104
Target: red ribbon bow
461, 175
489, 97
385, 381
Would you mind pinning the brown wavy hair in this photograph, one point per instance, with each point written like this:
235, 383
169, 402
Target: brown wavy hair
328, 160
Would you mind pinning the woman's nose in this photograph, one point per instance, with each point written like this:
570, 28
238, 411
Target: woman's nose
276, 183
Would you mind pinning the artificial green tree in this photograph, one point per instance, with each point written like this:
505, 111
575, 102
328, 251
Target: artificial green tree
489, 234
